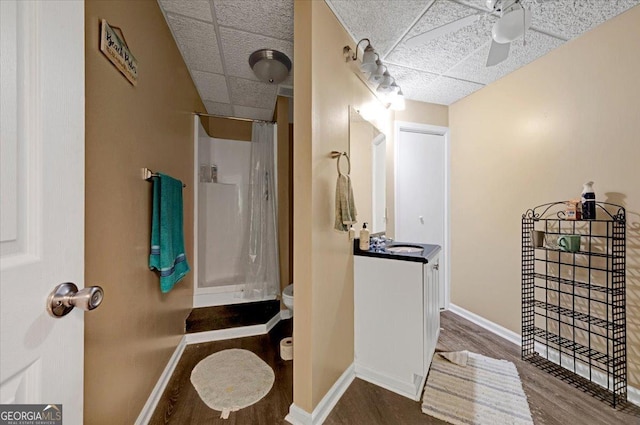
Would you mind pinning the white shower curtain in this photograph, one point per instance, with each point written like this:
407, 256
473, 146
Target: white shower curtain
261, 251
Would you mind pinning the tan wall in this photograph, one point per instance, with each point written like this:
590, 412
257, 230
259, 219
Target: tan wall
325, 86
534, 137
224, 128
302, 208
129, 339
424, 113
284, 193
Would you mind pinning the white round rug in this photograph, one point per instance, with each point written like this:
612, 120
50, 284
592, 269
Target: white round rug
232, 379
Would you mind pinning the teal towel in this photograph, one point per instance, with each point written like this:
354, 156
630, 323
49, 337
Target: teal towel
167, 237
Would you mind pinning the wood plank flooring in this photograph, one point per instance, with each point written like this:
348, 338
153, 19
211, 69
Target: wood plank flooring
552, 401
231, 316
181, 404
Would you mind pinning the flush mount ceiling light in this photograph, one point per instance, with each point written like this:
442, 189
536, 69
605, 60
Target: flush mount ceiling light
375, 74
270, 66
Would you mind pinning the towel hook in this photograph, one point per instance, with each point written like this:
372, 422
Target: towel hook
339, 155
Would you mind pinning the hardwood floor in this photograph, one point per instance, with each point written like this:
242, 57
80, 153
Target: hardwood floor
231, 316
552, 402
181, 404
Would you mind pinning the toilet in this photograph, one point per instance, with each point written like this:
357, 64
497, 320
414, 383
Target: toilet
287, 297
286, 345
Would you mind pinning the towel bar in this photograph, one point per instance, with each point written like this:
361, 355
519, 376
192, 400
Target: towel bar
147, 174
339, 155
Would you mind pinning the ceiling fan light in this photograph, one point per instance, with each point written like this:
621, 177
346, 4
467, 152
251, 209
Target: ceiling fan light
491, 4
511, 25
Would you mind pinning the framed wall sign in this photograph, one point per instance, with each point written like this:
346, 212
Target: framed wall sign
115, 48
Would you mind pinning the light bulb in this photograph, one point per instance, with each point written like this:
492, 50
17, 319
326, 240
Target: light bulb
385, 84
378, 74
398, 103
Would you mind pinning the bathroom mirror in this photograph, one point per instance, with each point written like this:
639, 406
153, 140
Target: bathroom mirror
367, 150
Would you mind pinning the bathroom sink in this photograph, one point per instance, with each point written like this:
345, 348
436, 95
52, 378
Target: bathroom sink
404, 249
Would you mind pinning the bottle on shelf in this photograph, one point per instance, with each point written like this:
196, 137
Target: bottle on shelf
588, 202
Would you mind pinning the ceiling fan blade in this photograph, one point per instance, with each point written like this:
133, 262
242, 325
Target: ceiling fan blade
498, 52
441, 30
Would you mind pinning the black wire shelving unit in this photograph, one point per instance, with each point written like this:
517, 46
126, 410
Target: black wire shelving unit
574, 303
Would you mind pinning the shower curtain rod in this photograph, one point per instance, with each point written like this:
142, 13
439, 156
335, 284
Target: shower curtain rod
201, 114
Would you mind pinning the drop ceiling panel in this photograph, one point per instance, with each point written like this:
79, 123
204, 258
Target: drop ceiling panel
252, 93
198, 43
211, 86
238, 46
253, 113
443, 90
200, 9
572, 18
217, 108
273, 18
474, 67
383, 22
216, 38
568, 18
410, 78
443, 53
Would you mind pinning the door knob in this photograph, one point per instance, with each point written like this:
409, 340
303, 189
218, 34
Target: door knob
66, 296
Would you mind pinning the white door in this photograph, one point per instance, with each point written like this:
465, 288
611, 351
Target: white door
42, 208
420, 192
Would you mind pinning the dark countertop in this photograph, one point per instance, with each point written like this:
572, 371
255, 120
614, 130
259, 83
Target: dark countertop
422, 257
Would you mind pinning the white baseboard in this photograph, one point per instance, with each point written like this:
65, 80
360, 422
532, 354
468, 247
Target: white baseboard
211, 299
298, 416
195, 338
240, 332
582, 369
399, 387
286, 314
156, 393
487, 324
633, 395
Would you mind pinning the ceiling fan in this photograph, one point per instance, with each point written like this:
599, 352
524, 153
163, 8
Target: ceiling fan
514, 20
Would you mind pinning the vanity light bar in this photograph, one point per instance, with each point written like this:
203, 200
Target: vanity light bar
376, 74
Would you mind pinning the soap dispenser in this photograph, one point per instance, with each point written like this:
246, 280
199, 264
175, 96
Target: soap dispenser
364, 238
588, 202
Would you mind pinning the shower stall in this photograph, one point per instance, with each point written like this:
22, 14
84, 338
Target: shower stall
236, 225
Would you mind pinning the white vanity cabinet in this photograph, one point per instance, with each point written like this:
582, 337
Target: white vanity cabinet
397, 321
